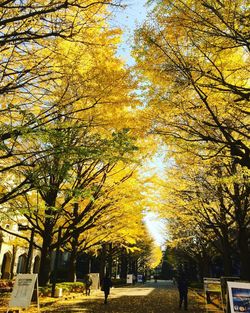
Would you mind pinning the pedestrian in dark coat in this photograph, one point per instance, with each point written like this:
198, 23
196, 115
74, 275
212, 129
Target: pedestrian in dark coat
182, 284
105, 287
88, 282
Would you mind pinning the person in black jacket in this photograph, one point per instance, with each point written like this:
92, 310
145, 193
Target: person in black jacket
88, 282
182, 284
106, 285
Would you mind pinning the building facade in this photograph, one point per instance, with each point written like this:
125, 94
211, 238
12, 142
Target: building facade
14, 254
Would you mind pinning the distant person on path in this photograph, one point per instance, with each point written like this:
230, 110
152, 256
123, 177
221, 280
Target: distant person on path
134, 279
182, 284
143, 278
105, 287
88, 282
155, 278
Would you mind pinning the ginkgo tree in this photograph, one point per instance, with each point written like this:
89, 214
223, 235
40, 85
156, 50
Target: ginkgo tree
208, 212
88, 205
148, 255
193, 64
193, 57
51, 143
62, 181
103, 216
31, 74
68, 111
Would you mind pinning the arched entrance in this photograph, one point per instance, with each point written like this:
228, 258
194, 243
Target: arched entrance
36, 264
6, 266
21, 265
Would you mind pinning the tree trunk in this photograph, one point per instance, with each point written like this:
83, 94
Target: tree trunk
226, 251
73, 259
226, 247
227, 260
244, 254
241, 202
124, 266
204, 266
134, 266
110, 260
102, 270
14, 251
45, 265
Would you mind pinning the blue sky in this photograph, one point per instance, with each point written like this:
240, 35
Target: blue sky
127, 19
156, 227
155, 224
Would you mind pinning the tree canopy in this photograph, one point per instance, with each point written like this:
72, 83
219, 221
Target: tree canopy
78, 126
193, 62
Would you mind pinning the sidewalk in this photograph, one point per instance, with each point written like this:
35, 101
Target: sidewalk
148, 298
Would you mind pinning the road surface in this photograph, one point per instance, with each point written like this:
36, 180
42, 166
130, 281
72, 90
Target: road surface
160, 297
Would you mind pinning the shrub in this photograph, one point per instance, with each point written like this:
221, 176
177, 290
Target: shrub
71, 287
6, 285
119, 282
196, 285
67, 287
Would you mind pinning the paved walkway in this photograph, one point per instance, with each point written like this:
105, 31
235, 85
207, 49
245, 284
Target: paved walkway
160, 297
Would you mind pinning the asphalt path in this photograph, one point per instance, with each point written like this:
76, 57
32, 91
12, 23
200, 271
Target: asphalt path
151, 297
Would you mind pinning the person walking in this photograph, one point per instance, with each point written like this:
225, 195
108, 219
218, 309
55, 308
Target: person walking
105, 287
88, 282
182, 284
143, 278
155, 278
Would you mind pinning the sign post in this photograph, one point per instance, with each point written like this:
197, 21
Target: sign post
130, 279
23, 290
212, 291
95, 280
239, 296
224, 291
139, 278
